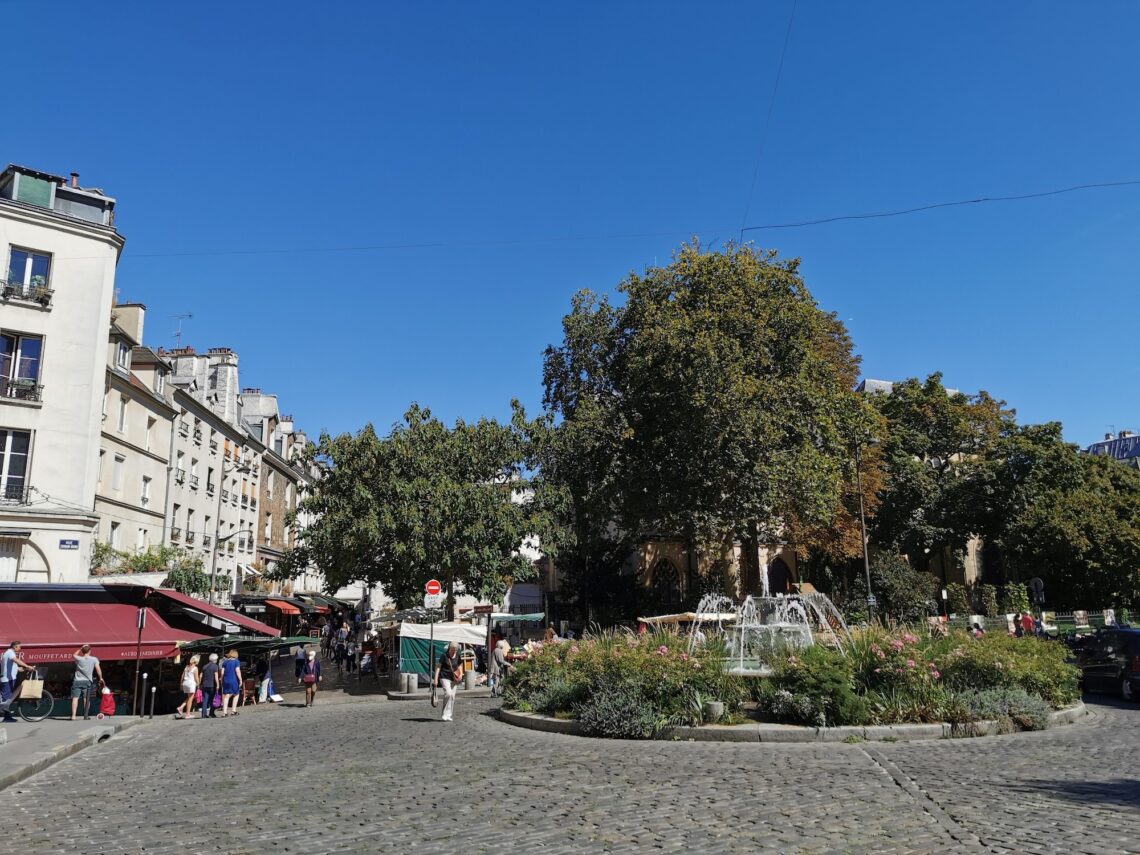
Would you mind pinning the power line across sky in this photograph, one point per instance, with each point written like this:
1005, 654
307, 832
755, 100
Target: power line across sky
795, 224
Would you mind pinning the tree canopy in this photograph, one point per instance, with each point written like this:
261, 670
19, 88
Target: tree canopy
716, 403
424, 501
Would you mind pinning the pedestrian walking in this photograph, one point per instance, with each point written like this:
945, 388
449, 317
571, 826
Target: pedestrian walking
86, 670
310, 677
261, 669
350, 656
448, 673
231, 683
497, 667
299, 661
211, 684
339, 654
191, 677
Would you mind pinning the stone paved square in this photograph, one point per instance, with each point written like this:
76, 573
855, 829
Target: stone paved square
375, 775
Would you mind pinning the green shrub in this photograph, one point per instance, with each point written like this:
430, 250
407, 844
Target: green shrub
1014, 598
989, 601
656, 671
617, 712
815, 686
958, 599
998, 661
1026, 711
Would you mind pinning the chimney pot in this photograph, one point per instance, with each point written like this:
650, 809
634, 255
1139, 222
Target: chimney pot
75, 179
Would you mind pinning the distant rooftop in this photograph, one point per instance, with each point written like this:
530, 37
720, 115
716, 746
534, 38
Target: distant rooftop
1123, 446
26, 186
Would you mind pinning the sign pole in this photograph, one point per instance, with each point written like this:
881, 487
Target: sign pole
140, 621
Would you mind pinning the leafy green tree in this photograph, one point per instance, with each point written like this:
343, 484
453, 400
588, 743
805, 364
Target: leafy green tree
425, 501
931, 434
1069, 518
904, 594
715, 404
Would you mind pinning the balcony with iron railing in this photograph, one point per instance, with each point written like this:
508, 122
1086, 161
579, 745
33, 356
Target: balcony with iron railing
193, 482
225, 495
253, 504
21, 293
180, 476
184, 429
14, 494
176, 533
21, 389
213, 445
190, 536
210, 487
207, 540
198, 437
245, 501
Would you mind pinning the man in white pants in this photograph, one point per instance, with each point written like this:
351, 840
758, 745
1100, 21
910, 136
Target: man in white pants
448, 673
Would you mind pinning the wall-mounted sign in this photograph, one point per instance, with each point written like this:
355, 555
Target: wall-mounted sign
69, 544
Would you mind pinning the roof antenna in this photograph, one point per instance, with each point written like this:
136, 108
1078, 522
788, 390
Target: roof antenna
178, 332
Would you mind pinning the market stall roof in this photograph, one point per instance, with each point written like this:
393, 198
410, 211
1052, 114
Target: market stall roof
247, 645
463, 633
226, 615
688, 617
52, 632
504, 617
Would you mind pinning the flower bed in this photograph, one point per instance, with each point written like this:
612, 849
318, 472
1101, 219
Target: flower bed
894, 677
623, 685
634, 687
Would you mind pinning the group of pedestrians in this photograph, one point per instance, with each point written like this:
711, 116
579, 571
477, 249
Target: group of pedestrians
213, 687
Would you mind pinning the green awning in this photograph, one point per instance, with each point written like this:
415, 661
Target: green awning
503, 617
245, 645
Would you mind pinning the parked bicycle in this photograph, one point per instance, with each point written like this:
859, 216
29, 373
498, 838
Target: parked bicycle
33, 702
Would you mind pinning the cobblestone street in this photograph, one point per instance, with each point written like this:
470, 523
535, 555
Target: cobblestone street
373, 775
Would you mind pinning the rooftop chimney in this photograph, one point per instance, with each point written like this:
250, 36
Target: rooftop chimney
1124, 434
1107, 437
75, 179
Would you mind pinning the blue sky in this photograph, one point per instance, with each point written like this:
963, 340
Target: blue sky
539, 148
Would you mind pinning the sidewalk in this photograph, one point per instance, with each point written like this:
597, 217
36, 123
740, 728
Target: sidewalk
29, 748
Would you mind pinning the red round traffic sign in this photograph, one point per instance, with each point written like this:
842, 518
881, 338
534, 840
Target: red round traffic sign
433, 587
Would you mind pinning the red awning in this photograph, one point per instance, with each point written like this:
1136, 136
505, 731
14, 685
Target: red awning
218, 612
52, 632
283, 607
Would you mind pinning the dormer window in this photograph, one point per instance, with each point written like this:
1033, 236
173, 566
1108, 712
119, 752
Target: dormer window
159, 382
123, 356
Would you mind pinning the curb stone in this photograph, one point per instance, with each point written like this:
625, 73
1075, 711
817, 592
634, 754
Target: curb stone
769, 732
84, 739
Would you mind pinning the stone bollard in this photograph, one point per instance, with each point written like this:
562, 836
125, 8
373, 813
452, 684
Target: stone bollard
468, 680
411, 683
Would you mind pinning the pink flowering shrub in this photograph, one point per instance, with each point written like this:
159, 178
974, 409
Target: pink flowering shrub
655, 675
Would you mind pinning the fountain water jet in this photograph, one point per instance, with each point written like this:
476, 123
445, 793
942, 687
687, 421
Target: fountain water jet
763, 628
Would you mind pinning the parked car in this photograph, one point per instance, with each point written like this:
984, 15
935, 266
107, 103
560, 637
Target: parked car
1111, 663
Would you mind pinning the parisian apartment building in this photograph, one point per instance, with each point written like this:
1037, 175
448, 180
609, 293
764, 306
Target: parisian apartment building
110, 447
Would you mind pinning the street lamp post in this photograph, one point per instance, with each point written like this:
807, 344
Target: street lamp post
863, 529
241, 467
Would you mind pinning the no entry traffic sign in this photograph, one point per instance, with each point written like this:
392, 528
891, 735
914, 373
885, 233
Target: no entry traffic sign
433, 587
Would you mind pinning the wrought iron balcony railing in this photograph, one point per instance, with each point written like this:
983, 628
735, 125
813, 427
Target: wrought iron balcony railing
21, 390
27, 293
